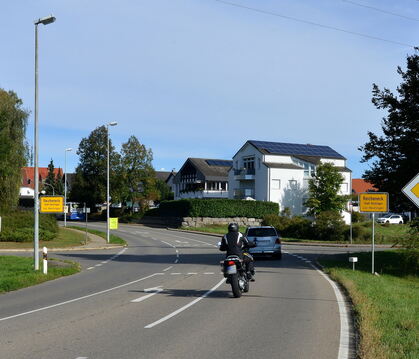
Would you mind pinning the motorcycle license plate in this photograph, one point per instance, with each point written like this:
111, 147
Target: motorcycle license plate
231, 270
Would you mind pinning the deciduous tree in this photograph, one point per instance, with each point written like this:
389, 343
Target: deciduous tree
324, 190
13, 120
395, 153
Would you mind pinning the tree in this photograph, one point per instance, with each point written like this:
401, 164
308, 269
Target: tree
395, 154
13, 120
164, 191
49, 185
138, 172
90, 178
324, 188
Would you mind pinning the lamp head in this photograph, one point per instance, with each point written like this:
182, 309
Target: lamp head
45, 20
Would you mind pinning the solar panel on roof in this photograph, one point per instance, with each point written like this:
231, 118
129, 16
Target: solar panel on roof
223, 163
296, 149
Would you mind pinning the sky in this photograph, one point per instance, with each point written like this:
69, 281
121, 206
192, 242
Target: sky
198, 78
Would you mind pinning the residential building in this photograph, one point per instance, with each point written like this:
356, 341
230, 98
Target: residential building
28, 183
202, 178
280, 172
167, 177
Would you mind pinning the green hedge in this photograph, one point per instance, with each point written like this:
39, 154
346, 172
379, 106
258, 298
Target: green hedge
18, 226
215, 208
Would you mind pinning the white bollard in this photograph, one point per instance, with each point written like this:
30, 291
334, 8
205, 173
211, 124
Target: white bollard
45, 260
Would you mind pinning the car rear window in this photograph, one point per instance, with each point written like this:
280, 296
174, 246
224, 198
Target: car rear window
261, 232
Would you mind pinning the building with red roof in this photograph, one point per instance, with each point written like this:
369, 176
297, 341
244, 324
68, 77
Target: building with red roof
359, 186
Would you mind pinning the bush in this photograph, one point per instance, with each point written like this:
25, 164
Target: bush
18, 226
329, 226
294, 227
358, 217
214, 208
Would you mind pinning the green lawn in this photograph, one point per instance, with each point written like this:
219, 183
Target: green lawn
387, 306
18, 272
65, 238
112, 239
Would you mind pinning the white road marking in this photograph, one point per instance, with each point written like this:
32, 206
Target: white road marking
192, 273
176, 312
153, 291
209, 273
181, 241
98, 265
81, 358
175, 273
90, 268
80, 298
165, 270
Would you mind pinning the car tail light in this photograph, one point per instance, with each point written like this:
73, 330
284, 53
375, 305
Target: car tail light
278, 241
231, 263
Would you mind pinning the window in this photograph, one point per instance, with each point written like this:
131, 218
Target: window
249, 163
276, 184
262, 232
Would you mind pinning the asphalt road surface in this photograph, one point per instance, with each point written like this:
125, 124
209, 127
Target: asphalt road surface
164, 297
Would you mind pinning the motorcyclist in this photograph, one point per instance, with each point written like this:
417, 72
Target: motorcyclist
236, 244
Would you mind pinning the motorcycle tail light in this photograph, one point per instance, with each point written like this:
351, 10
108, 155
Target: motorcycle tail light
278, 241
231, 263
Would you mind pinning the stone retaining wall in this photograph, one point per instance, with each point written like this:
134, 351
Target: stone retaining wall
203, 221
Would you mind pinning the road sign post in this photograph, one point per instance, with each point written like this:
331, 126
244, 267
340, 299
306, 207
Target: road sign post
373, 202
51, 204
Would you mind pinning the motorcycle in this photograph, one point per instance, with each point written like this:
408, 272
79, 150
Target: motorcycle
234, 270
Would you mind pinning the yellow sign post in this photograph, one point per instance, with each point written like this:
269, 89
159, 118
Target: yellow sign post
113, 223
51, 204
373, 202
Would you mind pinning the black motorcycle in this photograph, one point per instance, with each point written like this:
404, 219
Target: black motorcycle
234, 270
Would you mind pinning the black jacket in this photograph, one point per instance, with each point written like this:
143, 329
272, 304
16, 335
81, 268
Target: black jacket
234, 243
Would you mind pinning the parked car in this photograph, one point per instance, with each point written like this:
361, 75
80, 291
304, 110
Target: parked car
391, 218
267, 240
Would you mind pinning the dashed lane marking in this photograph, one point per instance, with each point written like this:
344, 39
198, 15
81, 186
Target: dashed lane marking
152, 291
176, 312
165, 270
80, 298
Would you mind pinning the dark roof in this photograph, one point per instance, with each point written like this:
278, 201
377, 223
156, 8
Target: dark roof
290, 166
163, 175
206, 171
280, 148
211, 172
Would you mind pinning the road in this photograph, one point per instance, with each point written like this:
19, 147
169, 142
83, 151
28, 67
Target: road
164, 297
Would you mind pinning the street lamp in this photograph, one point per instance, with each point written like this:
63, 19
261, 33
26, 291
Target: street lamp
45, 21
65, 184
107, 183
47, 184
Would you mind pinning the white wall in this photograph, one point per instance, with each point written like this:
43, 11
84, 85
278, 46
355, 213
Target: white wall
334, 162
277, 159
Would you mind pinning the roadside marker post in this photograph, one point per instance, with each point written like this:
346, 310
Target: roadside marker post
373, 202
353, 260
45, 260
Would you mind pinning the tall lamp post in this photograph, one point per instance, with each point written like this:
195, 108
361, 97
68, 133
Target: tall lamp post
107, 183
45, 21
65, 184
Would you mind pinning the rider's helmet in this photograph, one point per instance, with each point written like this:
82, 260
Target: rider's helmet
233, 227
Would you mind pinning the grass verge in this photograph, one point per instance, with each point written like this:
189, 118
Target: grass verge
386, 306
112, 239
18, 272
65, 238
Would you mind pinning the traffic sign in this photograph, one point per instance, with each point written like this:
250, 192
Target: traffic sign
411, 190
373, 202
113, 223
51, 204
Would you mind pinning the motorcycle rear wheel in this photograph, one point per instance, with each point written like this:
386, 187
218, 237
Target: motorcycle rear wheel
234, 280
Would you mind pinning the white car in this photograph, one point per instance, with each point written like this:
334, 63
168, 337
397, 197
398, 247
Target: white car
391, 218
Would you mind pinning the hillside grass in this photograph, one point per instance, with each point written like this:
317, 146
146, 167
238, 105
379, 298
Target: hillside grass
65, 238
18, 272
386, 306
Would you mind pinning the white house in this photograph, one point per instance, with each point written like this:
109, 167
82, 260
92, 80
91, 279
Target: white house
202, 178
279, 172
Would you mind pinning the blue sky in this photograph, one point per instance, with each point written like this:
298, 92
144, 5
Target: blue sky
197, 78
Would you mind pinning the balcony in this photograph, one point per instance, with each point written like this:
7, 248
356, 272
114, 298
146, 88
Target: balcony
244, 174
244, 193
